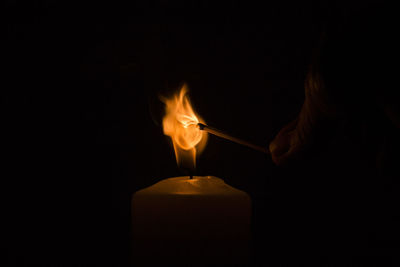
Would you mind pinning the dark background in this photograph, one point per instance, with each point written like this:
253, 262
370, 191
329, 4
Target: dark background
80, 116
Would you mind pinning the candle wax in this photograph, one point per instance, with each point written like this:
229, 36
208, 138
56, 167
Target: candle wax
188, 221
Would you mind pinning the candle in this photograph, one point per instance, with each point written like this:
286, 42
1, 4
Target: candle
191, 221
184, 221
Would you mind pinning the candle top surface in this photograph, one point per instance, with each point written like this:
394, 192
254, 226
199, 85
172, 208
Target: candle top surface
199, 185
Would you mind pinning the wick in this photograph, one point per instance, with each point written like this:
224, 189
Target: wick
191, 176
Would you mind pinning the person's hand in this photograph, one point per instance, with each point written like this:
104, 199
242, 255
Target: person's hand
289, 144
297, 137
284, 146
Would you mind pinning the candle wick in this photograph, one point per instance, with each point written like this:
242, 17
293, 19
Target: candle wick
191, 176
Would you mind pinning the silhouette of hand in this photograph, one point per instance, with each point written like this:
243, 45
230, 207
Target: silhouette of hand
287, 145
294, 139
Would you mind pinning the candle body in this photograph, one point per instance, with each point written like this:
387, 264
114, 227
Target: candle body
191, 221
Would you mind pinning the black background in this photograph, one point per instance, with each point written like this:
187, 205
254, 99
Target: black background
80, 116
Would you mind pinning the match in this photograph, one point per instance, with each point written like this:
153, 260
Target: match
221, 134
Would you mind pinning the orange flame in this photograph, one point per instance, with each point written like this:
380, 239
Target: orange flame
180, 123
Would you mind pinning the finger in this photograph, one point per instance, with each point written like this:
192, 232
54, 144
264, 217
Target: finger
289, 154
279, 145
286, 158
288, 128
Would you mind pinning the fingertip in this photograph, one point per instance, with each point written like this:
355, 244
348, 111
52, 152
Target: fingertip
276, 159
272, 147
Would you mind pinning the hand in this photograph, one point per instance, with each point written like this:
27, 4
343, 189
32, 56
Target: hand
298, 136
287, 145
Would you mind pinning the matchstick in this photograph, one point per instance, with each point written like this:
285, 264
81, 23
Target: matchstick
221, 134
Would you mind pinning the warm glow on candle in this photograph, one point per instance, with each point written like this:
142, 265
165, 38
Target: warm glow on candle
180, 123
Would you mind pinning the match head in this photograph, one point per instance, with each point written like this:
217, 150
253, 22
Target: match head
201, 126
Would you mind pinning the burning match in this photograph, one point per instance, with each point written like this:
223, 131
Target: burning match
221, 134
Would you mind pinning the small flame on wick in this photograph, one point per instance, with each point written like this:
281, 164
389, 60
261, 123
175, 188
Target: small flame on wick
181, 124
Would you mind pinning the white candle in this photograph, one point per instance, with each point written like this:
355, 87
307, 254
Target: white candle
191, 221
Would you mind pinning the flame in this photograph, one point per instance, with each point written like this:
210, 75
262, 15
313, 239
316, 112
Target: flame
180, 123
